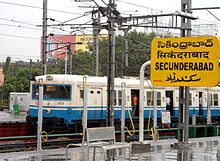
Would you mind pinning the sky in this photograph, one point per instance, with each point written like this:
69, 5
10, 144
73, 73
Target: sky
20, 20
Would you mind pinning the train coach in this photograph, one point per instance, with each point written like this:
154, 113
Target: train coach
63, 102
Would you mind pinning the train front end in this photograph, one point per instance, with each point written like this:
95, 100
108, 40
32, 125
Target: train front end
57, 102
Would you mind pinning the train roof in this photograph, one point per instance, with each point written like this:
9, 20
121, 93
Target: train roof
69, 79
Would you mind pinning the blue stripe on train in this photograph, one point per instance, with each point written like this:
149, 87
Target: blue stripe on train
70, 115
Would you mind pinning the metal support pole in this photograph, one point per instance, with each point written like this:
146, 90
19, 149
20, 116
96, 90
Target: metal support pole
71, 59
112, 74
40, 117
123, 104
124, 57
65, 60
208, 106
186, 115
96, 31
141, 104
44, 39
126, 47
155, 115
111, 67
183, 120
85, 101
123, 112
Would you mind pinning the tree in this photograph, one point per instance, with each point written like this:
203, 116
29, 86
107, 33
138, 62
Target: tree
6, 66
83, 63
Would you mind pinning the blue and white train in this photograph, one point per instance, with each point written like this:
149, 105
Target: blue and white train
63, 101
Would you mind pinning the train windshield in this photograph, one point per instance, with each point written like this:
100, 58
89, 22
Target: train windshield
53, 92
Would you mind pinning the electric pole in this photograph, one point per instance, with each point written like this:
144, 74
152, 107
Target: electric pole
111, 64
96, 30
124, 57
44, 39
70, 57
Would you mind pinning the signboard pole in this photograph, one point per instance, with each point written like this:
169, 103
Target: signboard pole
155, 115
183, 121
208, 107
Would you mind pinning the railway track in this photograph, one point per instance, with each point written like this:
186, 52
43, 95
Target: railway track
32, 145
29, 143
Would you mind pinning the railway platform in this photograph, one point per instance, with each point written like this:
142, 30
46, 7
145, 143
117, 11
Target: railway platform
10, 117
199, 149
14, 124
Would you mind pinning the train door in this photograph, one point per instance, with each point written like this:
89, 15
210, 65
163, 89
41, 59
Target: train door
95, 97
200, 103
169, 101
95, 100
135, 102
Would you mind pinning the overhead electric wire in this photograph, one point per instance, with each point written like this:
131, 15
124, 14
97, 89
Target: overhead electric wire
20, 36
85, 14
22, 22
23, 5
13, 20
20, 26
213, 15
141, 6
202, 33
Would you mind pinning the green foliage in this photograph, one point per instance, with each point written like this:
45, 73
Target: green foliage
5, 68
83, 63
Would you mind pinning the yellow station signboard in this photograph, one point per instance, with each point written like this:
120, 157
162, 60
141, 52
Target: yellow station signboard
185, 61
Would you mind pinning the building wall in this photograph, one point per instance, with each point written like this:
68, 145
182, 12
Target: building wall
55, 42
2, 77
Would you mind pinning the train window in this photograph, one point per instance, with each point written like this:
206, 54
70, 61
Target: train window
158, 98
91, 92
119, 97
35, 93
190, 99
149, 98
215, 99
115, 97
149, 101
81, 94
98, 92
53, 92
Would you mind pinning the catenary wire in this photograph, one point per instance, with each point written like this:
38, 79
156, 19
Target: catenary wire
23, 5
20, 36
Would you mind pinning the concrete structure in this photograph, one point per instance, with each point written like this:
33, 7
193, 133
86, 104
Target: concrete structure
21, 99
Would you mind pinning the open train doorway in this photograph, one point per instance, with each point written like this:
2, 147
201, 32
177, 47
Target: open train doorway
135, 102
169, 102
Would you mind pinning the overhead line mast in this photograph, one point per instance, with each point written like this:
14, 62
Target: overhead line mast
44, 39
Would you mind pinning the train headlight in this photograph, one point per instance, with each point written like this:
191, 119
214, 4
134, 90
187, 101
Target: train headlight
49, 77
